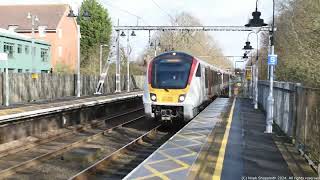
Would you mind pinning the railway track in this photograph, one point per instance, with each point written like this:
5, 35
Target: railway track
121, 162
20, 159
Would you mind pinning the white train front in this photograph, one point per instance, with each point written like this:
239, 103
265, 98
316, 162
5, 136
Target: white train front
178, 84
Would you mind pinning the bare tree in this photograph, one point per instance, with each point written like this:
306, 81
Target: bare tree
197, 43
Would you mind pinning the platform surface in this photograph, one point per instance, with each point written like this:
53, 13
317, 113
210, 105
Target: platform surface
174, 159
46, 108
213, 146
250, 152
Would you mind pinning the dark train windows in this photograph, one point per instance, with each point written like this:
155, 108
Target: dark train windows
206, 79
198, 73
170, 73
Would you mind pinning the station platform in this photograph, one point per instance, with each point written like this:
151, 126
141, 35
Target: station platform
30, 110
174, 159
225, 141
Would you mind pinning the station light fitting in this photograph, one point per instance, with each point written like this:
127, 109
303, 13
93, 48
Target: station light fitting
133, 33
71, 13
247, 47
122, 34
152, 44
29, 16
85, 14
256, 21
245, 56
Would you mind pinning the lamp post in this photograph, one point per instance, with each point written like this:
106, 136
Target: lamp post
255, 68
128, 54
33, 19
256, 22
72, 15
156, 45
229, 82
270, 100
100, 59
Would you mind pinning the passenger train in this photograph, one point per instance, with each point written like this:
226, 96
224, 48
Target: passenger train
178, 84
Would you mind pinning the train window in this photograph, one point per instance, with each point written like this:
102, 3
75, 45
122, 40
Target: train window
198, 73
170, 74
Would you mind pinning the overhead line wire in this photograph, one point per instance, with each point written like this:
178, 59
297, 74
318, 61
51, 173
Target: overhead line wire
125, 11
155, 3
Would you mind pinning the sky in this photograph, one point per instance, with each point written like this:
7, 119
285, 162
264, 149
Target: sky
158, 12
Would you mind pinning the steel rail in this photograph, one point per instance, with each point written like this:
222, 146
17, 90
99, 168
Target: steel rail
38, 160
76, 129
85, 174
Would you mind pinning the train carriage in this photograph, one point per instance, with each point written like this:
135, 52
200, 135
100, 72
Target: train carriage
177, 84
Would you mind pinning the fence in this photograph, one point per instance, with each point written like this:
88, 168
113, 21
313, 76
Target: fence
53, 86
296, 112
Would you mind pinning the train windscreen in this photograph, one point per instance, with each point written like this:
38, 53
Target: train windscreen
170, 73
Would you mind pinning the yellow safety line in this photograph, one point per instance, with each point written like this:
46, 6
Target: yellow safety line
163, 160
162, 174
222, 151
175, 160
155, 173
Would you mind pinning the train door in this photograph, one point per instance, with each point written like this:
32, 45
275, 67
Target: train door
198, 86
203, 84
210, 82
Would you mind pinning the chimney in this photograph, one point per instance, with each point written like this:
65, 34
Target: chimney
13, 27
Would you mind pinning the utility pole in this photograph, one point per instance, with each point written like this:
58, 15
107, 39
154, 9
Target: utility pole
128, 64
100, 59
118, 64
33, 19
78, 63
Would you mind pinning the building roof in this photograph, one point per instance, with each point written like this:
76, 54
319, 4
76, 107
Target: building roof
10, 34
49, 15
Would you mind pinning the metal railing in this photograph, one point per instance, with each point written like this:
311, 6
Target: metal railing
296, 112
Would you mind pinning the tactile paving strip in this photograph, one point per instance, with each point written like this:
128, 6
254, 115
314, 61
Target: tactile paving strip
174, 159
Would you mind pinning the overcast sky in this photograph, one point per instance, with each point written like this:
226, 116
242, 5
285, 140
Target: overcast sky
210, 12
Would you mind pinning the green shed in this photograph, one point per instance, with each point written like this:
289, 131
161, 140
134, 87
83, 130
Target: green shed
19, 51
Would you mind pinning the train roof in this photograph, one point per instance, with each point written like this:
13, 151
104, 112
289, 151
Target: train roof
183, 54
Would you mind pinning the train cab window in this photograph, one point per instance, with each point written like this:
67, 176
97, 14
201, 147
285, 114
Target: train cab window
170, 73
198, 73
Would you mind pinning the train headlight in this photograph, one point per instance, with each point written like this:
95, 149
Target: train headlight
182, 98
153, 97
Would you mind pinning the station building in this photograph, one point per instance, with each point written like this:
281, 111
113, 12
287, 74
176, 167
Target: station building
19, 49
60, 30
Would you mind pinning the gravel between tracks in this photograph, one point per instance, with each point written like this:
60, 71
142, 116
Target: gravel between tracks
77, 159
